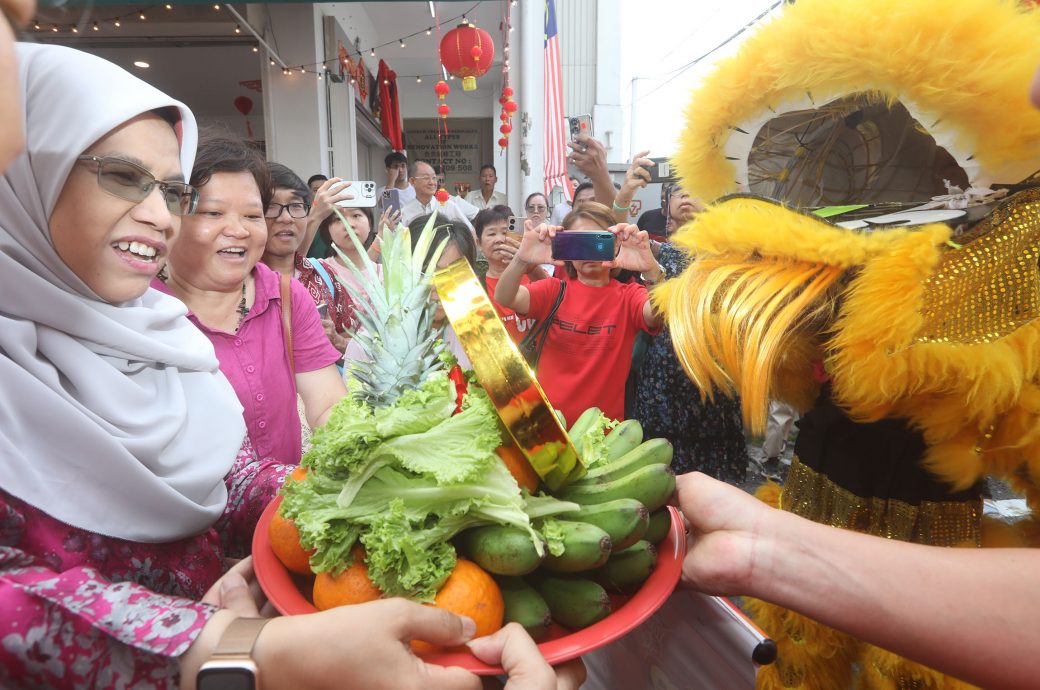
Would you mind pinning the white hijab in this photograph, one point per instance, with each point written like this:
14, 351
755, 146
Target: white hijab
113, 418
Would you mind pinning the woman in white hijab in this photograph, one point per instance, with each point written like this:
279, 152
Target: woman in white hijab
120, 441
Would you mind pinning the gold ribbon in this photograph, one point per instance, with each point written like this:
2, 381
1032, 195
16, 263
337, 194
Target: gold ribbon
505, 375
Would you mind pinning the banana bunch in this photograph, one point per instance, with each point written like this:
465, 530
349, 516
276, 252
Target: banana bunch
608, 543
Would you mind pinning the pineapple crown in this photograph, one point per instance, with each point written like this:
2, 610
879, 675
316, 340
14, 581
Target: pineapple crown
395, 313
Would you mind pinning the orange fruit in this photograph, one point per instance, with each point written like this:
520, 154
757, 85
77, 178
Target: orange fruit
285, 542
469, 591
352, 586
519, 467
299, 474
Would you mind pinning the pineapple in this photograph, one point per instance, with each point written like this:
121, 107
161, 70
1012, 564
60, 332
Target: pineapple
396, 315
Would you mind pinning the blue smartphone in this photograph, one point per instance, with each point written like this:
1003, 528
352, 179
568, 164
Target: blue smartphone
391, 199
583, 246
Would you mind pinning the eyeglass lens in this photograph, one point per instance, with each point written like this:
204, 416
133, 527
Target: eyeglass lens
130, 182
296, 209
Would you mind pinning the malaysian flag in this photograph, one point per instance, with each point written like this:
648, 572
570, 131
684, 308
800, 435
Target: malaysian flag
555, 133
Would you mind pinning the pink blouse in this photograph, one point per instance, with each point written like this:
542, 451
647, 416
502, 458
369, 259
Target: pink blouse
81, 610
257, 365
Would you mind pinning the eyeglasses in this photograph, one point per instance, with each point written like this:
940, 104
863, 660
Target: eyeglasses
130, 181
296, 209
537, 209
424, 178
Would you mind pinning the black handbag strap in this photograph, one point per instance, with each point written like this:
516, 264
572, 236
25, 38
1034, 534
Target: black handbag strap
541, 331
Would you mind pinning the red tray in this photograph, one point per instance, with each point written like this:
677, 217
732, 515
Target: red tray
283, 589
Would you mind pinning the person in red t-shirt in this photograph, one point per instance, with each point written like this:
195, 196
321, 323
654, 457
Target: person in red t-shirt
588, 350
499, 246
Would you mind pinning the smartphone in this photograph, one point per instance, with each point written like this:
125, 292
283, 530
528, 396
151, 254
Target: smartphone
662, 171
323, 310
364, 194
391, 200
583, 246
515, 229
580, 124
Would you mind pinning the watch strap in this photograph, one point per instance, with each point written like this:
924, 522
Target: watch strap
240, 636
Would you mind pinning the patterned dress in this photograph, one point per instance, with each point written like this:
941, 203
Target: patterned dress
341, 307
707, 436
81, 610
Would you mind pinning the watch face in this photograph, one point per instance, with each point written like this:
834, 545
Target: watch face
226, 679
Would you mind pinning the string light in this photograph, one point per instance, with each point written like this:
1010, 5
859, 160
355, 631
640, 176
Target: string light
301, 70
169, 6
95, 27
402, 43
429, 31
142, 17
54, 28
74, 29
373, 53
255, 49
238, 28
216, 7
418, 80
272, 62
116, 24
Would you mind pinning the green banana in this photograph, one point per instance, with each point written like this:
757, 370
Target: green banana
624, 520
574, 603
583, 422
651, 485
501, 550
660, 523
628, 569
585, 546
525, 606
623, 438
656, 451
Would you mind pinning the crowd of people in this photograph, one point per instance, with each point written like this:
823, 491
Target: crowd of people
150, 389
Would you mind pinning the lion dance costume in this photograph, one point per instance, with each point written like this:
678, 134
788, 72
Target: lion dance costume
871, 257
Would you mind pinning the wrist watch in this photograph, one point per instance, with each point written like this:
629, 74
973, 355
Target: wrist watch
232, 666
661, 275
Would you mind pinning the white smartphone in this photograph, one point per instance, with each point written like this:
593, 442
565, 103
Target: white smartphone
364, 194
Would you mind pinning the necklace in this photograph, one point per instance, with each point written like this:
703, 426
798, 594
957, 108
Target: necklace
242, 310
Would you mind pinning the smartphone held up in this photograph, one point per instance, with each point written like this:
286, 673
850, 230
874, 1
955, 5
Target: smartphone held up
364, 193
583, 246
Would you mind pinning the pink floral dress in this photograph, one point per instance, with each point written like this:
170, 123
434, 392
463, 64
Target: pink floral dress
81, 610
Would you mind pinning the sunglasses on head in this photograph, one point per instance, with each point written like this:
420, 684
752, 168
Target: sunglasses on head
130, 181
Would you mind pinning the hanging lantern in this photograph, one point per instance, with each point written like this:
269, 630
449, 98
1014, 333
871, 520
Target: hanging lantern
507, 92
467, 52
442, 196
503, 142
509, 107
506, 128
443, 110
504, 116
442, 89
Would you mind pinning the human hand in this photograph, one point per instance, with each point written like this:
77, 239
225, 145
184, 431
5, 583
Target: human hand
393, 173
506, 249
237, 590
637, 176
388, 219
514, 650
635, 253
327, 195
726, 528
337, 340
536, 245
362, 647
589, 156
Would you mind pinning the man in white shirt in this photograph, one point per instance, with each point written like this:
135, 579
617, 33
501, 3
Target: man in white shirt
397, 177
486, 196
424, 181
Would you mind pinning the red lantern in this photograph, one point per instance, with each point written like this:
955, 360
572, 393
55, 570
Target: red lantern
503, 142
509, 107
442, 195
443, 110
506, 128
442, 89
467, 52
504, 116
507, 91
502, 100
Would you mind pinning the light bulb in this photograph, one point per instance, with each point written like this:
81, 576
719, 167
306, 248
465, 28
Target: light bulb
238, 28
255, 49
75, 29
141, 16
402, 43
95, 27
116, 24
429, 31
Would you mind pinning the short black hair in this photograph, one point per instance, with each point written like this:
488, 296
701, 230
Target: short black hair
395, 157
456, 233
488, 166
326, 235
220, 151
581, 188
493, 214
314, 178
284, 178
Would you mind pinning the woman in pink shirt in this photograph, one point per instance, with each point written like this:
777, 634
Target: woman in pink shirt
213, 268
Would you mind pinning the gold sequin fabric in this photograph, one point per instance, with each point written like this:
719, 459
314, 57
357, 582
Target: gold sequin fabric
815, 496
988, 287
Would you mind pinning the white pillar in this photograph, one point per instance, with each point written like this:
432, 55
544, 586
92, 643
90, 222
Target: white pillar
531, 99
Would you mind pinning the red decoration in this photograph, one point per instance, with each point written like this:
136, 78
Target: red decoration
503, 142
442, 195
504, 116
244, 105
443, 110
506, 128
509, 107
507, 92
390, 107
463, 51
442, 89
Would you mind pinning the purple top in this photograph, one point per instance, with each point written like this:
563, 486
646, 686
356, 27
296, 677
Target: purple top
80, 610
255, 362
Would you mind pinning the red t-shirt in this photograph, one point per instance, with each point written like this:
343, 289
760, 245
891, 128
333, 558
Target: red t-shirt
588, 351
517, 325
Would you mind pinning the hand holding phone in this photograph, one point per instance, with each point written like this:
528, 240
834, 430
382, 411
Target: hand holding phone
323, 310
515, 228
363, 194
662, 170
580, 124
391, 200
